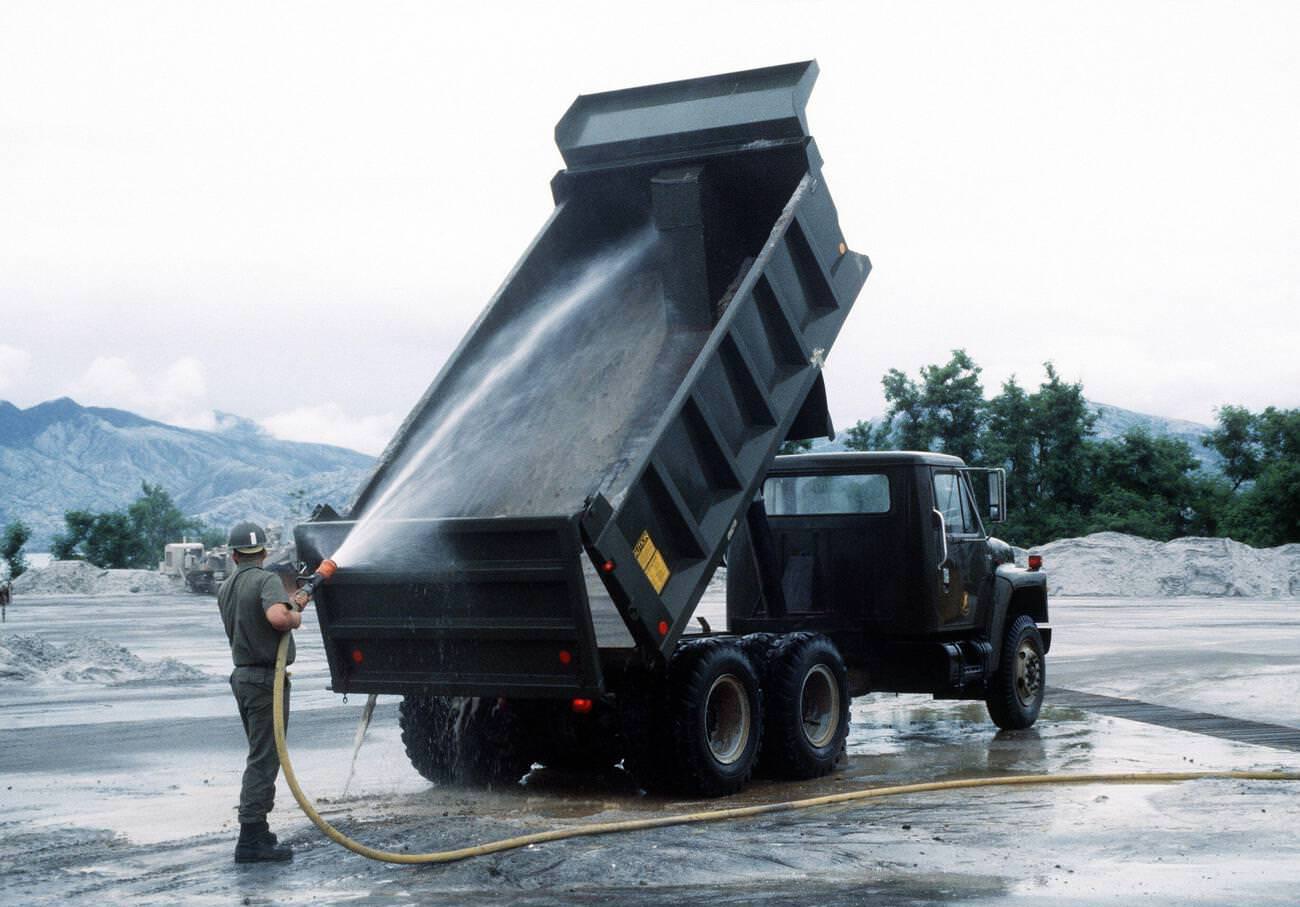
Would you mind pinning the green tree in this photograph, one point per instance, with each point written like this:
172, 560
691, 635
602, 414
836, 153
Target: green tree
952, 403
1278, 431
943, 412
131, 538
793, 447
1042, 440
1267, 513
67, 545
863, 436
905, 418
1062, 423
15, 537
112, 542
1237, 441
1143, 486
155, 520
1008, 439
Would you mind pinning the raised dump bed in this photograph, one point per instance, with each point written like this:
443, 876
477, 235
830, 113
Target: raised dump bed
600, 430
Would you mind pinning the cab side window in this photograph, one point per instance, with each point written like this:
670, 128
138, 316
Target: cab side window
948, 501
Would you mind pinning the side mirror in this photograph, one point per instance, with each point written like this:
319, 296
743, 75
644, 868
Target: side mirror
996, 479
997, 495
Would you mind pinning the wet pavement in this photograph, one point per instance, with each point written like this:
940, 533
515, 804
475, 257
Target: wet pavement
124, 794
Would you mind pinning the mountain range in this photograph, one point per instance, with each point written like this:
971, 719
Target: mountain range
60, 456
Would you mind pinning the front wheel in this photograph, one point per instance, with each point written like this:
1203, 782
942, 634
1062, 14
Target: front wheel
1015, 692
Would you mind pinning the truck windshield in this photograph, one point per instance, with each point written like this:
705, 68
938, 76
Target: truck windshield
790, 495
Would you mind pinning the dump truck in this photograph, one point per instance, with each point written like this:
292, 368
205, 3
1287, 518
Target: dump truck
524, 564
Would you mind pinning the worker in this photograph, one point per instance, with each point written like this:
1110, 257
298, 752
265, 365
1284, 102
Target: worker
256, 611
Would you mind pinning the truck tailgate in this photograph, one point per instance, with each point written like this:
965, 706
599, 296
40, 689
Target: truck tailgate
465, 604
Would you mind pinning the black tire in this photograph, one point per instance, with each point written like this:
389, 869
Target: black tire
715, 710
806, 688
426, 734
1015, 691
759, 647
457, 740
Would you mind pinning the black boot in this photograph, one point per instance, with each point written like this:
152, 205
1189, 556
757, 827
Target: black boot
257, 844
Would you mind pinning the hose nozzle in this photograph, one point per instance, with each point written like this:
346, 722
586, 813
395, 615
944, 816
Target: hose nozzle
324, 571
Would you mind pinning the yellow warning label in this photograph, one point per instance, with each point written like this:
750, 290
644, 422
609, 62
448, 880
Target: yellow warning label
652, 562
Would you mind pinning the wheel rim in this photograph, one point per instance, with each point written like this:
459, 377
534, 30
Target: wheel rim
819, 706
727, 719
1029, 673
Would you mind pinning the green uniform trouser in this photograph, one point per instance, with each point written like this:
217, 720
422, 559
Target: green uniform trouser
253, 687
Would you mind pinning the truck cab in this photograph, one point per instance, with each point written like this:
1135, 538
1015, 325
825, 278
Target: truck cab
887, 554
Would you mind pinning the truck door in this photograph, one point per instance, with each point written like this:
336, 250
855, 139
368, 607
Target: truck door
963, 576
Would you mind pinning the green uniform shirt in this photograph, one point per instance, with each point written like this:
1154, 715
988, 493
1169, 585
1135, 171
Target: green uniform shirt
243, 599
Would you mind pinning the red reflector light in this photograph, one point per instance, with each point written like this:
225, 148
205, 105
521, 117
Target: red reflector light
565, 656
608, 566
663, 628
581, 706
357, 656
1035, 561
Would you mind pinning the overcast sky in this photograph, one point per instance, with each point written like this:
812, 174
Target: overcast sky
293, 212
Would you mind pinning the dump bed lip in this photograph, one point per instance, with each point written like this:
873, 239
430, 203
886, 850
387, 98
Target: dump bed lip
671, 118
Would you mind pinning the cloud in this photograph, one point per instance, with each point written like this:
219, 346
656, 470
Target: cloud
176, 394
13, 365
327, 423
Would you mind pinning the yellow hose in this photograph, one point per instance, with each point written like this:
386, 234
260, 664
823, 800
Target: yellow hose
712, 815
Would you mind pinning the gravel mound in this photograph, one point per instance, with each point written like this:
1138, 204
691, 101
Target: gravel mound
85, 659
81, 578
1111, 563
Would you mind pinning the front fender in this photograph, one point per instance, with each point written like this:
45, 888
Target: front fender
1018, 591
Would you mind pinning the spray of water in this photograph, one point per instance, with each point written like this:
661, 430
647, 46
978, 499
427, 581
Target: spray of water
475, 434
363, 725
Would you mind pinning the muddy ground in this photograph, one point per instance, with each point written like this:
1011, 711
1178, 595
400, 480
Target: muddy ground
119, 784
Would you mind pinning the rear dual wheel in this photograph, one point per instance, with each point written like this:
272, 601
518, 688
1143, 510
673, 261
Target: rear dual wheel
696, 728
715, 712
807, 712
460, 740
700, 730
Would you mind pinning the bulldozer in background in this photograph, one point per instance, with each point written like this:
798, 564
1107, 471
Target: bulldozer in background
200, 567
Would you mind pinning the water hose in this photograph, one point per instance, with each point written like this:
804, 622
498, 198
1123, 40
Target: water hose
712, 815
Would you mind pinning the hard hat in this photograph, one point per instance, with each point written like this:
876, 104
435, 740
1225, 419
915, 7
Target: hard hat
248, 538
